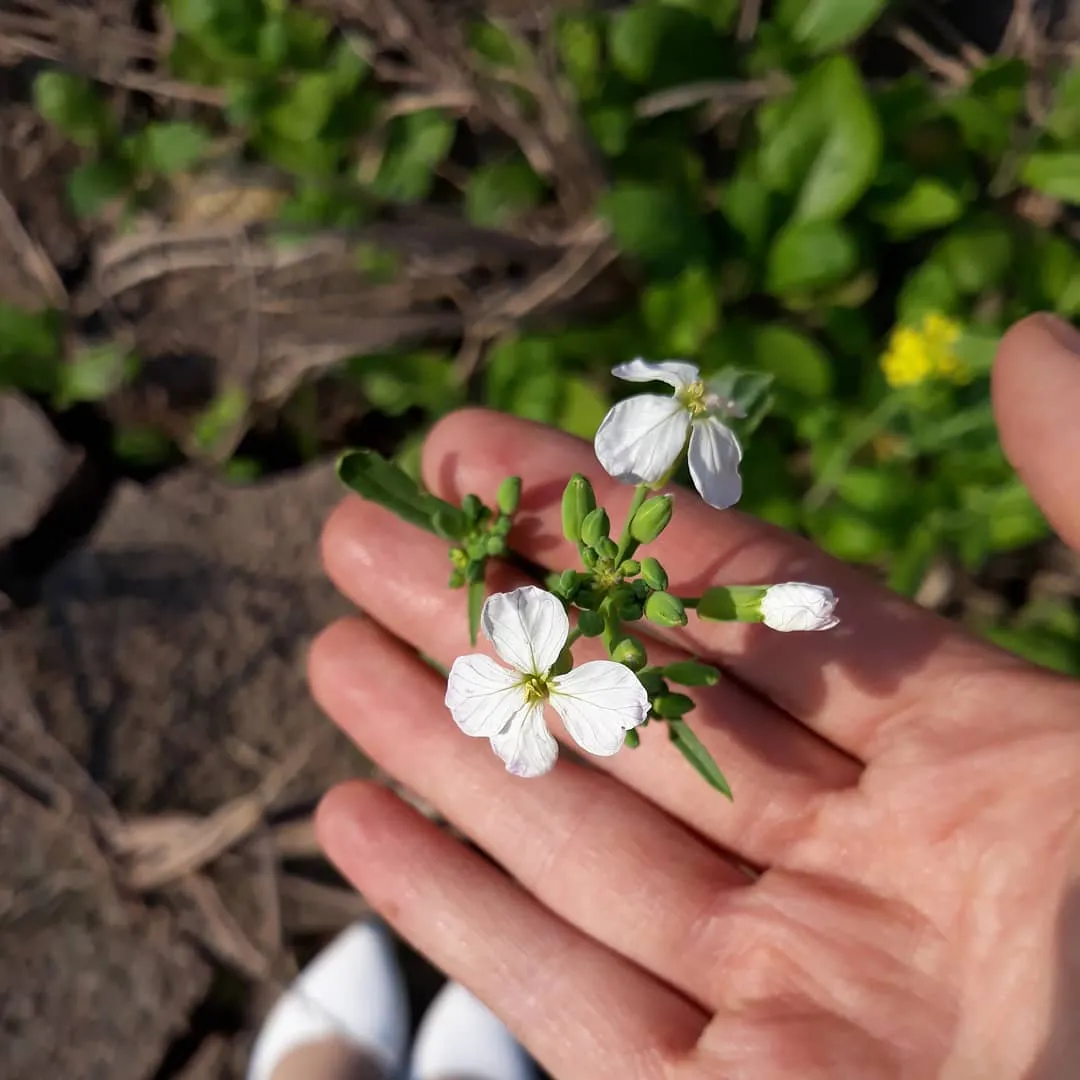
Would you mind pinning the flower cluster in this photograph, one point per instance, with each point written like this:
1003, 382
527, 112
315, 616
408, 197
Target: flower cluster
603, 703
616, 589
927, 352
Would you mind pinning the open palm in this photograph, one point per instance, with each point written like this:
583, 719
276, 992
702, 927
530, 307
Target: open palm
895, 891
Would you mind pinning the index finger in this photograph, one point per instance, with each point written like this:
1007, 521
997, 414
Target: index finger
856, 685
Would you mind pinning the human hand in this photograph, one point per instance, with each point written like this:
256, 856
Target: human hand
906, 814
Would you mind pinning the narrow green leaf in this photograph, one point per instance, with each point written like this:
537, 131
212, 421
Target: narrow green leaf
477, 595
692, 673
823, 25
691, 748
1056, 175
374, 478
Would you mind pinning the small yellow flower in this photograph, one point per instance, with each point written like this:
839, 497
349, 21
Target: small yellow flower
916, 355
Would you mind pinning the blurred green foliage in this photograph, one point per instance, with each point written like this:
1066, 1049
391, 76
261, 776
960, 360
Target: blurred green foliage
783, 211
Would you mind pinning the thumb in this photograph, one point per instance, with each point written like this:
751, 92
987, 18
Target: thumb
1036, 392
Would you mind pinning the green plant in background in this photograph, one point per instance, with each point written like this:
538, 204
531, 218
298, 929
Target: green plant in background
861, 240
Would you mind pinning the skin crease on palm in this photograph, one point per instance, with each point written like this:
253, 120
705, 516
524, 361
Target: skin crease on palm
895, 891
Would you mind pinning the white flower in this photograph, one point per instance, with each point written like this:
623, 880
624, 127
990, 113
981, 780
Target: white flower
598, 702
642, 438
798, 606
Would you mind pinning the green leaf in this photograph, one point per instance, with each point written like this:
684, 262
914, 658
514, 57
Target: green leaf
1056, 175
683, 313
657, 44
692, 673
977, 254
418, 143
692, 748
93, 373
499, 192
73, 105
379, 481
823, 144
94, 183
304, 111
656, 226
581, 51
31, 343
810, 255
477, 594
1064, 119
220, 420
170, 148
796, 360
928, 204
583, 408
929, 288
824, 25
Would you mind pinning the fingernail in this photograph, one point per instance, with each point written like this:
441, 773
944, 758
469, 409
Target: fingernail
1065, 334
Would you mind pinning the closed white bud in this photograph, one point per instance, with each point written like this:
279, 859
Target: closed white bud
795, 605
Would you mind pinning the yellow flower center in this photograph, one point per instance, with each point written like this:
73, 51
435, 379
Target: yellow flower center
537, 688
693, 398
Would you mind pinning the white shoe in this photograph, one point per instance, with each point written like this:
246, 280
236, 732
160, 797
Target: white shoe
460, 1036
353, 990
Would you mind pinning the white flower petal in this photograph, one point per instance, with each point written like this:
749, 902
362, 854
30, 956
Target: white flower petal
714, 463
676, 373
599, 702
528, 628
483, 697
641, 438
527, 748
797, 606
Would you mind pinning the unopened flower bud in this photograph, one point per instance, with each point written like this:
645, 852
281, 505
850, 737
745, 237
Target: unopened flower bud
651, 519
692, 673
569, 583
665, 610
632, 740
577, 501
509, 495
589, 558
653, 682
448, 523
672, 706
590, 623
629, 567
457, 579
796, 605
629, 652
595, 527
495, 545
606, 548
653, 574
473, 509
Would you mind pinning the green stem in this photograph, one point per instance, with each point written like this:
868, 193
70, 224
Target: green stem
574, 635
627, 545
689, 602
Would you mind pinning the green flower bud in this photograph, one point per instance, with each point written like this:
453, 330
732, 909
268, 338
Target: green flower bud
457, 579
569, 583
631, 611
641, 589
653, 682
459, 559
509, 495
578, 500
474, 572
692, 673
588, 597
606, 548
653, 574
631, 653
564, 663
629, 567
495, 545
665, 610
632, 739
590, 623
651, 519
448, 523
590, 558
501, 526
672, 706
472, 508
595, 527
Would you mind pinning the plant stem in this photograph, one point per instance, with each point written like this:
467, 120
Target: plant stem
627, 545
574, 635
